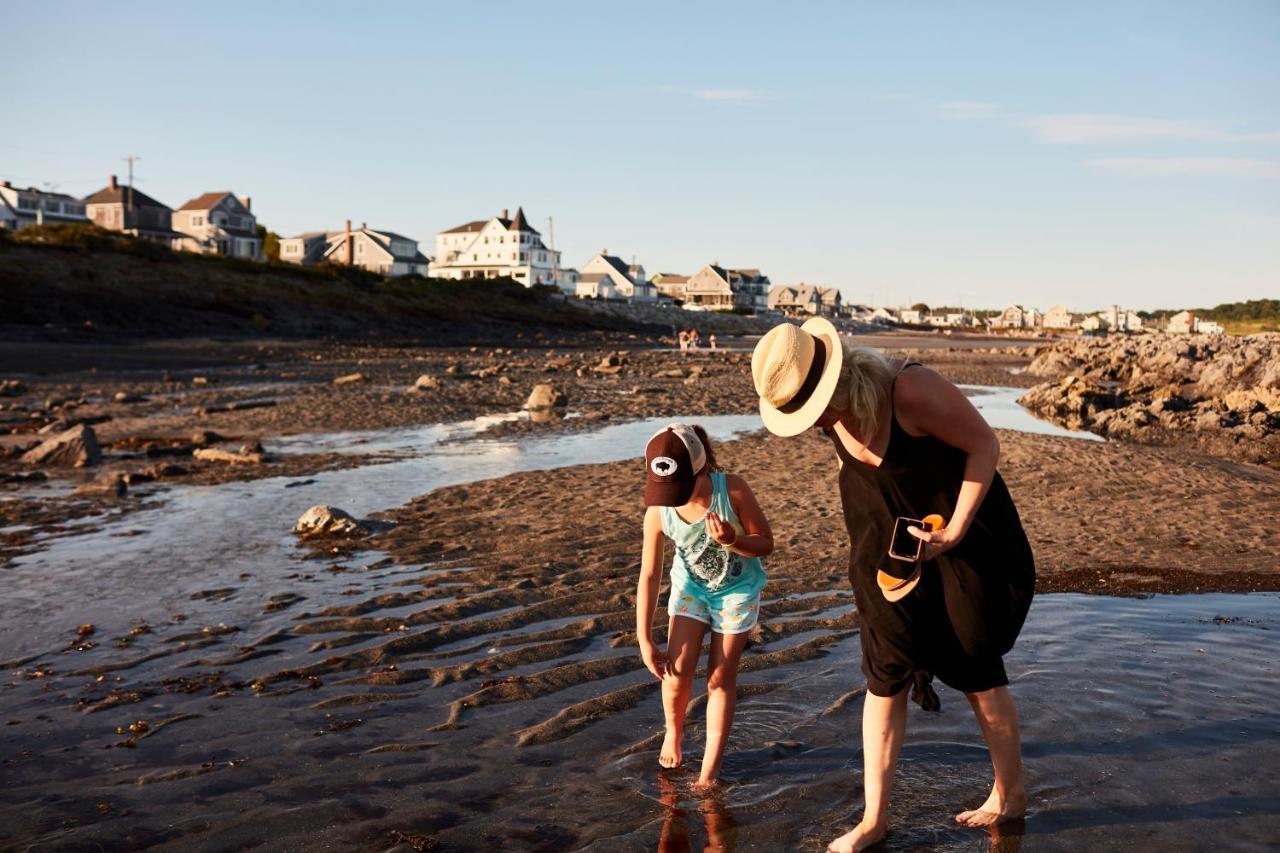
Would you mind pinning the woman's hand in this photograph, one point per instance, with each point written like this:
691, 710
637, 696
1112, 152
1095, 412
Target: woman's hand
935, 541
721, 530
655, 660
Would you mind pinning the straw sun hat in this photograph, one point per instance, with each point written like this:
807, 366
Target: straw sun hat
795, 370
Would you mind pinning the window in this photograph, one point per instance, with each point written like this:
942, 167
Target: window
197, 220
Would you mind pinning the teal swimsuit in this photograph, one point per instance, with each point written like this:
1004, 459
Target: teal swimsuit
709, 583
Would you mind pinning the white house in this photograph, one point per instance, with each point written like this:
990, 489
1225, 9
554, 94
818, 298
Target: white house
910, 315
1017, 317
20, 208
218, 223
1186, 322
1058, 317
671, 285
123, 208
497, 247
622, 282
595, 285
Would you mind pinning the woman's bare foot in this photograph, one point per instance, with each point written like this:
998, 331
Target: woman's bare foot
995, 810
860, 837
670, 756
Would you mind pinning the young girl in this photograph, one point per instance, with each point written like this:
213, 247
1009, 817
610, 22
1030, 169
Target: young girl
720, 535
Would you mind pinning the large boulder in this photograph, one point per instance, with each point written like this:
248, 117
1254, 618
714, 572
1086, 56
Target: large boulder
546, 397
323, 520
77, 446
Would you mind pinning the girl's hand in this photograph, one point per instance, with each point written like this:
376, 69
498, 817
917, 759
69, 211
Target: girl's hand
721, 530
655, 660
935, 542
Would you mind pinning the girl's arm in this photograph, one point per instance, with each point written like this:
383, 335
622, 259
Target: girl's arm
933, 406
647, 592
757, 538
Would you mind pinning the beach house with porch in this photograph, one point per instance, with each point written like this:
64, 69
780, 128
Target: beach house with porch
671, 285
716, 288
500, 246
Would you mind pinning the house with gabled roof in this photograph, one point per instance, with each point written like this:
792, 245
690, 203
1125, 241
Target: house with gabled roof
118, 207
218, 223
671, 285
795, 300
376, 250
498, 247
714, 287
622, 284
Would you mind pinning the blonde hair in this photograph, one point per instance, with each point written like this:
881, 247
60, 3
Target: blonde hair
860, 389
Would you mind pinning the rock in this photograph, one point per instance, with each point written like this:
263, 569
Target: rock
113, 485
323, 520
123, 397
546, 397
168, 469
24, 477
504, 380
206, 437
215, 454
77, 446
349, 378
673, 373
133, 478
426, 383
12, 388
200, 380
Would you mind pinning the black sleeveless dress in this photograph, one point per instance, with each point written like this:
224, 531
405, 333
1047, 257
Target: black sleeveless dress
970, 603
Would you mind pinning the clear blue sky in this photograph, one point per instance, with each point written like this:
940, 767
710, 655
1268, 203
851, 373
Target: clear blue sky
1078, 153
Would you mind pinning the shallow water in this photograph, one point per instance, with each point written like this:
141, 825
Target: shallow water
999, 406
1147, 724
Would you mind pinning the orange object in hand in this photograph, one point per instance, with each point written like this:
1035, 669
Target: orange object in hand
935, 522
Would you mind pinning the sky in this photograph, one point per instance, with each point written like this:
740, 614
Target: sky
1082, 153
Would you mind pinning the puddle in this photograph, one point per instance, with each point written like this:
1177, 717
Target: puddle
999, 406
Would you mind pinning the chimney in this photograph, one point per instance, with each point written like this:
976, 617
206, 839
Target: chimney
364, 226
247, 202
114, 185
349, 246
604, 251
504, 213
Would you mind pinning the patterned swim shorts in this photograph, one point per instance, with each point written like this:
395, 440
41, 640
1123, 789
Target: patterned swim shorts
734, 611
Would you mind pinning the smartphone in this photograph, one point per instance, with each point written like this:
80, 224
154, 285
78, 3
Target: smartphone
904, 546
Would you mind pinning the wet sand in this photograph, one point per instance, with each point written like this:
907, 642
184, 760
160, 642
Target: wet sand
466, 678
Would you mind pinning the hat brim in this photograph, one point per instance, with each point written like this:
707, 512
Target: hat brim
787, 424
895, 589
668, 494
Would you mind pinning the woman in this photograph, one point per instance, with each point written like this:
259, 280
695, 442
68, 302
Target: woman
908, 445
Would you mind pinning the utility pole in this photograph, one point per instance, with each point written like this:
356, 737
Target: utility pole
555, 267
130, 160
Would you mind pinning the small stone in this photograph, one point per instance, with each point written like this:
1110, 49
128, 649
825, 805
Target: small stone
546, 397
322, 520
215, 454
350, 378
426, 382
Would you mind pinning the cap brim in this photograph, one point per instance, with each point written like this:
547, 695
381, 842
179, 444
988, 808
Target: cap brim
667, 494
787, 424
895, 589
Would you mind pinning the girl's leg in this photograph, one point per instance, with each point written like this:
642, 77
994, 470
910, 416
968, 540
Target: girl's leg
684, 645
998, 716
722, 697
884, 727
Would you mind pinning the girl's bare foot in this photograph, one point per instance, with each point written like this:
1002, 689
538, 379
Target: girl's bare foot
995, 810
670, 756
704, 786
860, 837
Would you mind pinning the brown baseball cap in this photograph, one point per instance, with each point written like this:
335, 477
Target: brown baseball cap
672, 458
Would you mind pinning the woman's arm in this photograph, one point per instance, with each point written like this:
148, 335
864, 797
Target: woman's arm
647, 592
931, 405
757, 538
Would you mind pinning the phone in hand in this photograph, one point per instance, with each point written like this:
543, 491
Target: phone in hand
904, 546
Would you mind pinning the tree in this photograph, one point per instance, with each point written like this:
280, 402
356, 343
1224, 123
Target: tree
270, 243
921, 307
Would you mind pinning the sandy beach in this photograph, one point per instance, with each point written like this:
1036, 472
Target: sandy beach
460, 674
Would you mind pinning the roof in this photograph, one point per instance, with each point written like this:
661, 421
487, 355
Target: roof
520, 223
670, 278
308, 235
208, 200
592, 276
120, 195
472, 226
618, 264
45, 193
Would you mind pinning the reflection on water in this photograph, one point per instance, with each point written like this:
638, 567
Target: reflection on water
999, 406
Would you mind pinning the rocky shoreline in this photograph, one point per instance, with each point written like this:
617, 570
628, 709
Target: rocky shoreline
1216, 393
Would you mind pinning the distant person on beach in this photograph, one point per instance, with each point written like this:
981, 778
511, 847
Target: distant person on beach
684, 341
711, 340
908, 445
720, 534
693, 339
